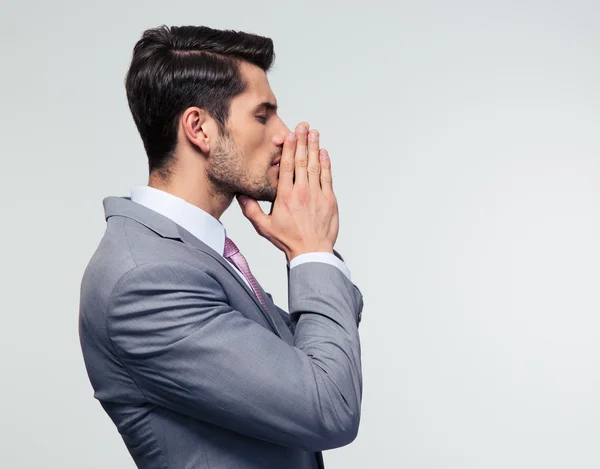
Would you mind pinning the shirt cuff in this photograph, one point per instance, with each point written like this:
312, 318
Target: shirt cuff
325, 257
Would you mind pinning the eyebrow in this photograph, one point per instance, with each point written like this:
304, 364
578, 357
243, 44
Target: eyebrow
269, 106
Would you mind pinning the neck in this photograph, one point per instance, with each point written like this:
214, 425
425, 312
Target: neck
195, 190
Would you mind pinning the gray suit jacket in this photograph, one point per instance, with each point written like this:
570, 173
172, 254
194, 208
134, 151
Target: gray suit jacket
195, 373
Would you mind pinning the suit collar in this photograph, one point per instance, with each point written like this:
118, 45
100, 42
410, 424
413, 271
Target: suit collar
124, 207
200, 223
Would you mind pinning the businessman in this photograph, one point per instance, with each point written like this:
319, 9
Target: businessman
187, 354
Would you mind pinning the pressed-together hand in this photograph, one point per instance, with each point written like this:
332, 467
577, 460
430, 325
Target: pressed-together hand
304, 217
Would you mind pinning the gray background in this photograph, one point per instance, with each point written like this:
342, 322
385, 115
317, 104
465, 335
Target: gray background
465, 141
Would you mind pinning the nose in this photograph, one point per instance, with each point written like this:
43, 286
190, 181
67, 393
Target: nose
282, 131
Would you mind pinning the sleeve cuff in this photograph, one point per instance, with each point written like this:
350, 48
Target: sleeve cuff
325, 257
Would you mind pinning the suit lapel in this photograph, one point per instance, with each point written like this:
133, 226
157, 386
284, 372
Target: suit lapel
191, 240
283, 329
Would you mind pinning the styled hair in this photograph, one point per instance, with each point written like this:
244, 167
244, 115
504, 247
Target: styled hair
174, 68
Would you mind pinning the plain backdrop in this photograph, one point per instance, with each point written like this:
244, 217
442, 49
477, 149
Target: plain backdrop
465, 142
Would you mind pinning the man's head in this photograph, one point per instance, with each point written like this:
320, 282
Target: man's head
201, 101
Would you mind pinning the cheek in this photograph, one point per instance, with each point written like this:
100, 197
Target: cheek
257, 144
250, 137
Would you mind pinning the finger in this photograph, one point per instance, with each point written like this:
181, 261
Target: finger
314, 165
326, 177
301, 160
253, 212
286, 165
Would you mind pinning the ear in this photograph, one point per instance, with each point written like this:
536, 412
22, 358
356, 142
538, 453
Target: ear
199, 128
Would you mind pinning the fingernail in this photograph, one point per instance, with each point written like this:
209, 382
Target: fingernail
324, 154
313, 136
302, 129
292, 136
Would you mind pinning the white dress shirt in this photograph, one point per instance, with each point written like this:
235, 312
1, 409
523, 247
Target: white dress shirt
208, 229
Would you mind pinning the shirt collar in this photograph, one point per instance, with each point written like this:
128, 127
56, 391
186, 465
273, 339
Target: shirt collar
201, 224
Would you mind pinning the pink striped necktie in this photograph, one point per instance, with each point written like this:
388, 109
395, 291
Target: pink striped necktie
233, 254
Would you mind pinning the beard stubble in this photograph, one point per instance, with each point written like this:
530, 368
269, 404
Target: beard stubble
228, 174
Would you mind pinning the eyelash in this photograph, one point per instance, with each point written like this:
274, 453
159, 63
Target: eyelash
262, 119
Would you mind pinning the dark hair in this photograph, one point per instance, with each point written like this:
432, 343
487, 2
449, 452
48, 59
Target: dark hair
174, 68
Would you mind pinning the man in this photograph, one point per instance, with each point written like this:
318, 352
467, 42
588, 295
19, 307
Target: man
188, 355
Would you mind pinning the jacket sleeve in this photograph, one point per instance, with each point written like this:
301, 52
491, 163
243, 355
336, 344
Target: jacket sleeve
187, 350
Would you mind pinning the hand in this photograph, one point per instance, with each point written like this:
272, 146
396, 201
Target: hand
304, 217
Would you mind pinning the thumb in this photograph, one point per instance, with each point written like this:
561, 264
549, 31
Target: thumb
253, 212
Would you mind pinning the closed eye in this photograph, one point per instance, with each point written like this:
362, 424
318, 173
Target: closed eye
264, 111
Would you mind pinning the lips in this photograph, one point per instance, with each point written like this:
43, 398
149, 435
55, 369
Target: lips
276, 162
